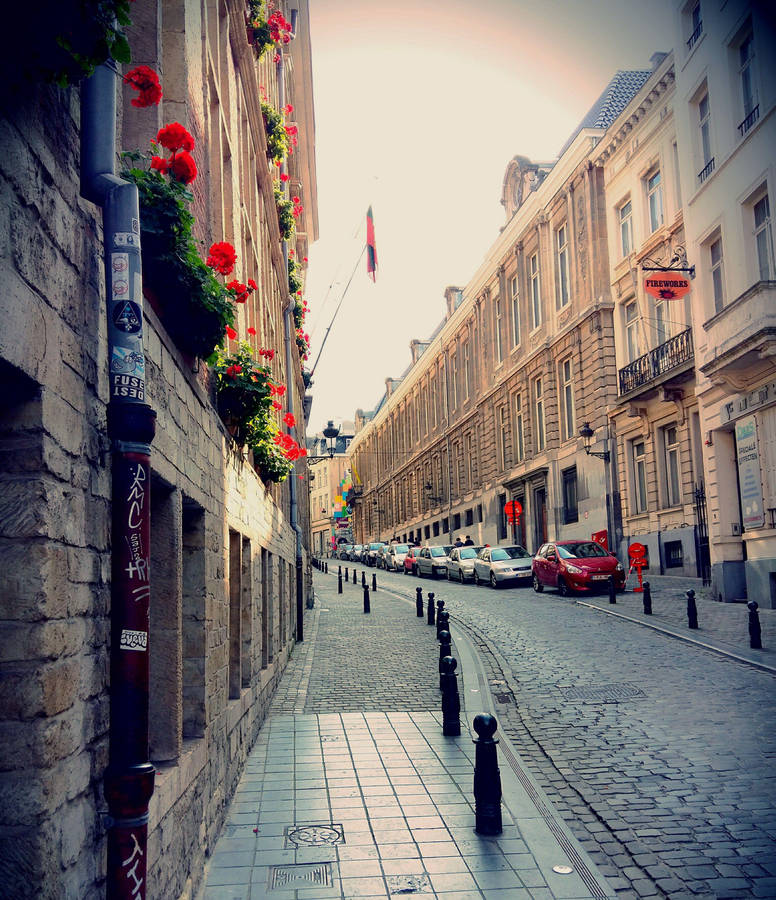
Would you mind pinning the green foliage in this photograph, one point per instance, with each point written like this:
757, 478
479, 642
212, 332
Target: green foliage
196, 305
295, 282
242, 388
285, 209
278, 139
258, 28
298, 314
269, 459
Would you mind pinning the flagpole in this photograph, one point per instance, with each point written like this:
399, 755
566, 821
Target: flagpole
323, 342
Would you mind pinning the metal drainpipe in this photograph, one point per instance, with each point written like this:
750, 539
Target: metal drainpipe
289, 342
129, 778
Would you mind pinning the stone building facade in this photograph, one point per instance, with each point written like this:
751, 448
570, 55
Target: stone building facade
491, 406
654, 416
222, 558
328, 522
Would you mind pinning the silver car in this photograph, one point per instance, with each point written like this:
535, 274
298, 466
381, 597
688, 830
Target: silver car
393, 558
499, 564
461, 564
433, 561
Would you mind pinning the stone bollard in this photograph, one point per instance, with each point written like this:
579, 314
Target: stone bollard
612, 591
440, 605
692, 610
647, 599
443, 622
755, 633
367, 608
339, 583
419, 602
430, 610
444, 650
374, 581
451, 702
487, 778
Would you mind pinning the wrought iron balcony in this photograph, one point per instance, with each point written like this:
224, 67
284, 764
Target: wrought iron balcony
667, 356
692, 40
706, 170
753, 116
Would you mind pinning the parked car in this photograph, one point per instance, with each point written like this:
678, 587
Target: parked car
410, 561
393, 557
355, 553
432, 561
343, 551
575, 566
461, 564
370, 555
498, 565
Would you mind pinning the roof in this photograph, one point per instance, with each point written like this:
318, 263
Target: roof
615, 97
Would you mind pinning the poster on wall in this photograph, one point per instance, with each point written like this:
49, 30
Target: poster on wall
749, 480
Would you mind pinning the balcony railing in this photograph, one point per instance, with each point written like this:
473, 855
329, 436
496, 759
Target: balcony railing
674, 352
753, 116
692, 40
706, 170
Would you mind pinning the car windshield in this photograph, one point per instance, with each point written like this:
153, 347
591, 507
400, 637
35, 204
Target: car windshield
582, 550
375, 546
400, 548
467, 553
439, 551
499, 553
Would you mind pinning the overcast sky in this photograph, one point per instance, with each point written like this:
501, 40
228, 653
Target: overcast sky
418, 108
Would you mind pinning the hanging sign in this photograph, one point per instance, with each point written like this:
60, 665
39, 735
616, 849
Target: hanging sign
667, 285
513, 510
749, 479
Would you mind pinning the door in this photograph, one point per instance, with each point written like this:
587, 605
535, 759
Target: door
540, 516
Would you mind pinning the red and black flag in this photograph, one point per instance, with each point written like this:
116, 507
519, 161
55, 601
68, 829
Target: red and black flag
371, 248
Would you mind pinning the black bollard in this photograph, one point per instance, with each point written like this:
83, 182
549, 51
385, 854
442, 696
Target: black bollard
367, 608
327, 568
374, 581
692, 610
347, 576
612, 591
339, 570
363, 577
440, 605
487, 778
755, 633
444, 650
419, 602
443, 622
339, 583
451, 702
430, 610
647, 599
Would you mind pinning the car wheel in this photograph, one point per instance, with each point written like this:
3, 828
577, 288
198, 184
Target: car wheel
563, 588
493, 582
460, 576
537, 585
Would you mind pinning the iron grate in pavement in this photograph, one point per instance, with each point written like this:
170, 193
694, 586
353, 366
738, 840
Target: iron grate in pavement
314, 835
602, 693
408, 884
301, 875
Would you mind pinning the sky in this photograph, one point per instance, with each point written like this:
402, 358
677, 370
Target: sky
419, 107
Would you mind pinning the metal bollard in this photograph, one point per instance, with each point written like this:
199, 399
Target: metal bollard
363, 577
440, 605
374, 581
443, 622
339, 570
339, 583
347, 576
612, 591
419, 602
692, 610
755, 633
487, 778
647, 599
430, 610
367, 608
444, 650
327, 568
451, 702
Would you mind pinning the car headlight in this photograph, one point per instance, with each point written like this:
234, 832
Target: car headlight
575, 570
618, 568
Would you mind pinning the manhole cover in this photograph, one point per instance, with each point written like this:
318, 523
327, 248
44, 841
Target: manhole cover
408, 884
602, 693
314, 835
304, 875
503, 698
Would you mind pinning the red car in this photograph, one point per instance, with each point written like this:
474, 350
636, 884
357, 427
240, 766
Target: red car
410, 561
575, 566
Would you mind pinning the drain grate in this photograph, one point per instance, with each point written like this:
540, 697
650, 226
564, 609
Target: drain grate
602, 693
314, 835
304, 875
503, 698
408, 884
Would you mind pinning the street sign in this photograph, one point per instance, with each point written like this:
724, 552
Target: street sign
637, 551
513, 510
667, 285
602, 538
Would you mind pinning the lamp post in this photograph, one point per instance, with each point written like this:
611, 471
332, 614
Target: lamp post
587, 434
331, 433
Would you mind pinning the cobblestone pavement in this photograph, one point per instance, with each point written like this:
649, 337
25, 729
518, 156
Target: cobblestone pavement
659, 754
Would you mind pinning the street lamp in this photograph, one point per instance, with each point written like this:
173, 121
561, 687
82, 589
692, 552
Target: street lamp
432, 498
331, 433
586, 433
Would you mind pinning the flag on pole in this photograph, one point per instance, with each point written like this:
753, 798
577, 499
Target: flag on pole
371, 248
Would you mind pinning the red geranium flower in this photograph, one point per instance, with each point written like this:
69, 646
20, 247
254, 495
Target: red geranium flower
289, 419
230, 332
252, 284
288, 109
284, 177
222, 257
252, 331
175, 137
240, 290
160, 164
182, 167
276, 405
146, 82
232, 371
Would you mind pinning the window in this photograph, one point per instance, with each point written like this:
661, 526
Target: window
469, 462
696, 24
639, 476
626, 228
501, 500
536, 299
433, 392
539, 415
671, 450
663, 321
514, 299
562, 266
746, 74
570, 508
519, 429
631, 331
655, 200
499, 329
677, 179
503, 426
454, 380
716, 263
567, 399
704, 125
467, 372
763, 238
